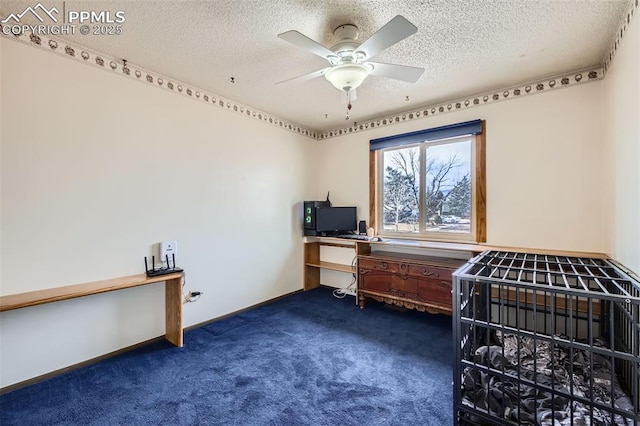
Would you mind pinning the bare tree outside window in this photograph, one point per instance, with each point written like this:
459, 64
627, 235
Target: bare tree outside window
401, 190
445, 196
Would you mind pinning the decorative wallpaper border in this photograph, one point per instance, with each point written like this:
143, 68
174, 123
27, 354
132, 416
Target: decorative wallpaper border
108, 63
126, 69
472, 101
622, 29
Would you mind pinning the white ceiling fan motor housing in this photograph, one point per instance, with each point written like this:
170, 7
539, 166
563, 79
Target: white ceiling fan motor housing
346, 35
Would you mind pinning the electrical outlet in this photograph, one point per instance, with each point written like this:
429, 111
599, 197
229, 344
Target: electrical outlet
192, 296
168, 249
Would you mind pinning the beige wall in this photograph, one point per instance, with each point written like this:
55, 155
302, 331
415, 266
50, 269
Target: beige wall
622, 152
88, 158
96, 169
544, 173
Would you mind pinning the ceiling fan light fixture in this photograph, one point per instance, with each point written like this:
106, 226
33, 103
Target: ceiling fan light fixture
348, 76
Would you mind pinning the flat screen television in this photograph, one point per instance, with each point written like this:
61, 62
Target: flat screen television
336, 220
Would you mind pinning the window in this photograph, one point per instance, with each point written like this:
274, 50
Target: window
430, 184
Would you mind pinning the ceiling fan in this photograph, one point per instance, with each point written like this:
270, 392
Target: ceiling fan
350, 60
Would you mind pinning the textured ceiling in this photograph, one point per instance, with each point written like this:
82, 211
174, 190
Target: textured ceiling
465, 46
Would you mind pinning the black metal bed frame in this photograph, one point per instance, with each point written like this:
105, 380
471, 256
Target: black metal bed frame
570, 305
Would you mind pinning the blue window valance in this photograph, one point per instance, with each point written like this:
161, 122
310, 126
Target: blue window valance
451, 131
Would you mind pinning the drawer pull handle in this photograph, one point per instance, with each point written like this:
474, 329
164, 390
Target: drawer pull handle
384, 265
428, 273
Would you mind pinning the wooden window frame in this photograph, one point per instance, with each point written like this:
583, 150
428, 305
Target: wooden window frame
479, 188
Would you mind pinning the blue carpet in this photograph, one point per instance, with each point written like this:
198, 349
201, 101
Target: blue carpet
307, 359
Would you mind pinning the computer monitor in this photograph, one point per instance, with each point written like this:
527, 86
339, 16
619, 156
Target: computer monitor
336, 219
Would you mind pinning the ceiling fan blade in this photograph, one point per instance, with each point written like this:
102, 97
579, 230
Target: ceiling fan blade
392, 32
301, 40
397, 72
306, 77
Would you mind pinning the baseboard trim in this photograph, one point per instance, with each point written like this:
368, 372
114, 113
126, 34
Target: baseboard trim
239, 311
55, 373
73, 367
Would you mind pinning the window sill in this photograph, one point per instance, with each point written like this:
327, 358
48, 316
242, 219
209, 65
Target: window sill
454, 238
429, 244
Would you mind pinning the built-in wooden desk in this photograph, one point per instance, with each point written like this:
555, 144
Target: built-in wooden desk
389, 271
173, 297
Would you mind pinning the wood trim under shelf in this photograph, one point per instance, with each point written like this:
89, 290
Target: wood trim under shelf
331, 244
333, 266
478, 248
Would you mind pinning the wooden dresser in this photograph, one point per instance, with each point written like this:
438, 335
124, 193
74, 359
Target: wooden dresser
412, 281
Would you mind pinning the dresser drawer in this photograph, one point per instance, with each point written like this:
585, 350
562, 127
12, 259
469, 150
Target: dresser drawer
370, 280
405, 286
389, 283
433, 272
436, 292
384, 265
413, 281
